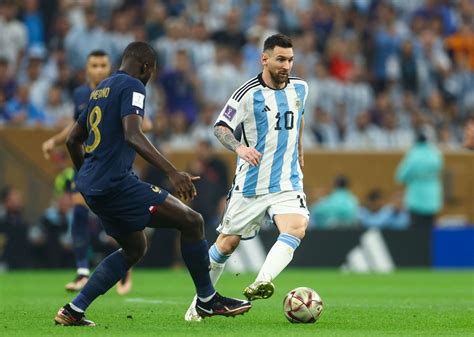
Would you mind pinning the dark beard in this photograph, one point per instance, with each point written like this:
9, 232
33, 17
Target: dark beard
276, 80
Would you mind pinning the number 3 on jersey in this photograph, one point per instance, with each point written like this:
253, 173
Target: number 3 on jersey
94, 119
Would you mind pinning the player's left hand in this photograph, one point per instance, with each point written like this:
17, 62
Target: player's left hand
183, 184
301, 160
47, 147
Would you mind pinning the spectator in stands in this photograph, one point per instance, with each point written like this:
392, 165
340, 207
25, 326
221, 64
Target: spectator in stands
391, 135
180, 87
53, 228
338, 209
324, 130
399, 216
205, 125
34, 77
420, 173
21, 111
176, 39
180, 138
460, 43
13, 229
202, 49
217, 80
374, 214
33, 21
231, 35
13, 34
7, 82
57, 111
81, 40
364, 135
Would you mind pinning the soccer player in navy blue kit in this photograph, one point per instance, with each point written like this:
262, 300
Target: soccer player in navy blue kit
111, 133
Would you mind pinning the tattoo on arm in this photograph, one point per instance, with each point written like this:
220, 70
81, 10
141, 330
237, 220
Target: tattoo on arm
226, 137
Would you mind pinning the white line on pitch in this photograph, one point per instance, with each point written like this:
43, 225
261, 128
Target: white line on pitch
150, 301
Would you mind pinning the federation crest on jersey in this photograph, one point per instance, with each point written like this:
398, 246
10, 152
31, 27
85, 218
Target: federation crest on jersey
229, 112
298, 103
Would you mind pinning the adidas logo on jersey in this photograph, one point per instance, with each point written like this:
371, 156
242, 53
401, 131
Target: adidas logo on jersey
266, 109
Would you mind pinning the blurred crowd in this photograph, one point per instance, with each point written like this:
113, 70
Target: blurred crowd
378, 71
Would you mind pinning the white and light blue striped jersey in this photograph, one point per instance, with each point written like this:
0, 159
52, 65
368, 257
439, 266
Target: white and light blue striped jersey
270, 121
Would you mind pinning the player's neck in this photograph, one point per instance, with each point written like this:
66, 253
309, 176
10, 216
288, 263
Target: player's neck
267, 78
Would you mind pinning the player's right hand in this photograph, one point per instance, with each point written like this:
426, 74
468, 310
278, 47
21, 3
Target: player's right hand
249, 154
47, 147
183, 185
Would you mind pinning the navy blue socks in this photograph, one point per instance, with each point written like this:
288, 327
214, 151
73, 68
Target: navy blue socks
107, 274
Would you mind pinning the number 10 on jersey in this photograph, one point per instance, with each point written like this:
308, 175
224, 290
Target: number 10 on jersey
288, 120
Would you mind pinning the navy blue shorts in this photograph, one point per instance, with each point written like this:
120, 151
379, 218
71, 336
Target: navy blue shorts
128, 208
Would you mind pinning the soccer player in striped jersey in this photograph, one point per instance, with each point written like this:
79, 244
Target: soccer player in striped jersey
268, 180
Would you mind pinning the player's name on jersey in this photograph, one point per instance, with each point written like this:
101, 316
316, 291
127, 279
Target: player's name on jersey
100, 93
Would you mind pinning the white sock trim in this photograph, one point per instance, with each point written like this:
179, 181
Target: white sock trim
75, 308
83, 271
206, 299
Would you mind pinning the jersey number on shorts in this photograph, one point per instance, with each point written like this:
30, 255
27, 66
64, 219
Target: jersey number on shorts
289, 117
95, 117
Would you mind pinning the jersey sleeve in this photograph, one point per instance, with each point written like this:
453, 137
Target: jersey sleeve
133, 99
232, 114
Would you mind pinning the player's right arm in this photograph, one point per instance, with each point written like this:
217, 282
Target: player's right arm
182, 181
57, 140
227, 138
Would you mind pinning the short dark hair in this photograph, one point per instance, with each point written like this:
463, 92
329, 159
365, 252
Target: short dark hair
140, 51
97, 53
341, 181
279, 40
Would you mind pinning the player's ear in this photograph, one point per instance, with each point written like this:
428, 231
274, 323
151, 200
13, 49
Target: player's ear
264, 58
144, 68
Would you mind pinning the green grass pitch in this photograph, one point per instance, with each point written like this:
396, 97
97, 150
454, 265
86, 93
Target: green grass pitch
405, 303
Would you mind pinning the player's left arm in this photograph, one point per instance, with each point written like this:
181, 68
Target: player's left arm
76, 138
300, 144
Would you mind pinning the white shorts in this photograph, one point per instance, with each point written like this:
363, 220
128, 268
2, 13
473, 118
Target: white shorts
244, 216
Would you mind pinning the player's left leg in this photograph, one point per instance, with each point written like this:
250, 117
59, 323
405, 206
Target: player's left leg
292, 228
290, 214
107, 274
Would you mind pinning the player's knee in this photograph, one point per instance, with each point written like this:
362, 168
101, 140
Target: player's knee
135, 254
298, 229
194, 226
227, 244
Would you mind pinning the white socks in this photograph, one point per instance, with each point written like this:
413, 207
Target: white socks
83, 271
278, 257
218, 261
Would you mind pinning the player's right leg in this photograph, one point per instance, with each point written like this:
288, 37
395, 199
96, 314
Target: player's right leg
172, 213
80, 242
219, 253
242, 218
107, 274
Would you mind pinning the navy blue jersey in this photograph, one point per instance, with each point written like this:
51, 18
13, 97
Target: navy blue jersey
108, 158
81, 99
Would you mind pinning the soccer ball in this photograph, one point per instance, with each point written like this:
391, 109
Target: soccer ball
302, 305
